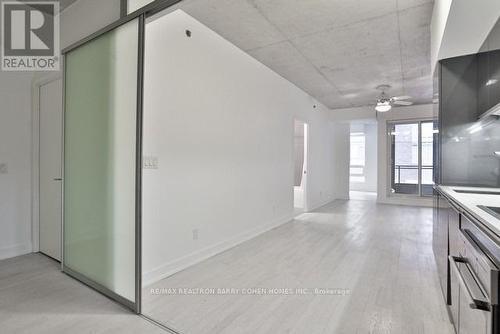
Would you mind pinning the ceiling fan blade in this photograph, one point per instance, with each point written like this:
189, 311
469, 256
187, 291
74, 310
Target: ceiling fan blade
403, 103
399, 98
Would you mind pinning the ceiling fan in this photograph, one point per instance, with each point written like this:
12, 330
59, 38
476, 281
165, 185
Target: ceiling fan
385, 102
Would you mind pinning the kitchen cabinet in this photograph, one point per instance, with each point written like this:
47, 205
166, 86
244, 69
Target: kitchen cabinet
454, 231
488, 80
455, 251
440, 242
483, 87
472, 268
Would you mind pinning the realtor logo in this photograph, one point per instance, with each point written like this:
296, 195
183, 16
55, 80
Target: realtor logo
30, 36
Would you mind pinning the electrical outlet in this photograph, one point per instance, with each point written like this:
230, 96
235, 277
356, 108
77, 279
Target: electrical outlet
195, 234
4, 169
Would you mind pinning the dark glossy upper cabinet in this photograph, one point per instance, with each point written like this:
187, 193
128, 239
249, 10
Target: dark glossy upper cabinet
488, 80
482, 83
488, 76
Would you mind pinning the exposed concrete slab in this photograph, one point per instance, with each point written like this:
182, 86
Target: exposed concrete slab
338, 51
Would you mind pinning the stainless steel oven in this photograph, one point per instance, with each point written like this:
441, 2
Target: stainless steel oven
474, 262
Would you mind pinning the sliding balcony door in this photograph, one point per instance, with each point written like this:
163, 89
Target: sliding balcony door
412, 157
102, 161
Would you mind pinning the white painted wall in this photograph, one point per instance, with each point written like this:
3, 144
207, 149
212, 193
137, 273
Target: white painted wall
222, 127
341, 160
439, 18
364, 114
15, 151
16, 122
370, 171
460, 27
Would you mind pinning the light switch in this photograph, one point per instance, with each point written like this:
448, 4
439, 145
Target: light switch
150, 162
4, 169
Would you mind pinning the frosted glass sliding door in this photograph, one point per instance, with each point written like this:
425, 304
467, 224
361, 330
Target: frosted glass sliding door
101, 85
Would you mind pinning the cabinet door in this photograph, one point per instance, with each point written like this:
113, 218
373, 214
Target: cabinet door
493, 78
454, 298
435, 223
483, 86
472, 321
454, 232
440, 244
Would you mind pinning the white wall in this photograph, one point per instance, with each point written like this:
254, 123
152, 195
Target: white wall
364, 114
370, 171
77, 21
460, 27
222, 127
15, 151
439, 18
341, 160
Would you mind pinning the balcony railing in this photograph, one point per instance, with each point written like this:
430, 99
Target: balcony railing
399, 168
406, 180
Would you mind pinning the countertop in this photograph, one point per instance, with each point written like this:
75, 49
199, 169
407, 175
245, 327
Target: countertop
469, 203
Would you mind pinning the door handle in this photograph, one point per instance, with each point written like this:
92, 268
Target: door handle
474, 303
57, 179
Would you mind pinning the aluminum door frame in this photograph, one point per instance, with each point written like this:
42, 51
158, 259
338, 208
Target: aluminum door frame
140, 14
135, 306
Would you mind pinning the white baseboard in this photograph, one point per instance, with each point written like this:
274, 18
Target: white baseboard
189, 260
325, 202
15, 250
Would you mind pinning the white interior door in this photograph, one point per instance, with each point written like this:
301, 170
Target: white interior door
50, 168
300, 165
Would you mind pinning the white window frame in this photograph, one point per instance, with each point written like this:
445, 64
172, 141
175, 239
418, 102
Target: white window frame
363, 167
390, 171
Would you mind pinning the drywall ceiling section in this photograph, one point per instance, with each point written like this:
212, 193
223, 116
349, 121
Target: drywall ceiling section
461, 27
337, 51
65, 3
438, 24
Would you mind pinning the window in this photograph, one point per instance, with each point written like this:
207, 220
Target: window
357, 164
412, 157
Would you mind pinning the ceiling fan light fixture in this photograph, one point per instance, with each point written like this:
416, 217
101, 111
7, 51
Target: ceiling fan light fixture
383, 106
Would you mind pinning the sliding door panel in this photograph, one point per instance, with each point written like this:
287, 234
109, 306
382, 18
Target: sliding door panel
405, 158
427, 170
100, 162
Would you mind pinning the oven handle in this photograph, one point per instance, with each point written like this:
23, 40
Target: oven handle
474, 303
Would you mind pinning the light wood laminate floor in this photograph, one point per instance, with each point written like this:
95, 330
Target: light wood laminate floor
37, 298
379, 255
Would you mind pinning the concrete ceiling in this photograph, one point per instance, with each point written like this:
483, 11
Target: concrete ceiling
338, 51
